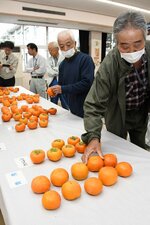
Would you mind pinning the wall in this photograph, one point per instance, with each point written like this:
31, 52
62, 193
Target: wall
72, 17
95, 48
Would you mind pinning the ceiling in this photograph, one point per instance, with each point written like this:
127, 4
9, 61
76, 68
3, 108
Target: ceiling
92, 6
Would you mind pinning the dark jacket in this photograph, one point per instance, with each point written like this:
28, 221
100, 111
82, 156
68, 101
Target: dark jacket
107, 96
76, 76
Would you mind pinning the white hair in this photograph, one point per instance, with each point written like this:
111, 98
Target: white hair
54, 44
66, 33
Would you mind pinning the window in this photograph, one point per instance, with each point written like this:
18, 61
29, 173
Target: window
21, 35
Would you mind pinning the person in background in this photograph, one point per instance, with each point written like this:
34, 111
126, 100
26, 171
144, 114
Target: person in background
148, 32
37, 67
8, 65
76, 73
121, 90
53, 63
147, 137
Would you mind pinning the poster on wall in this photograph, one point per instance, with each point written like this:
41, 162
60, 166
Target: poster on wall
96, 51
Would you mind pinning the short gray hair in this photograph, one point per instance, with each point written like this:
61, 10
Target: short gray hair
129, 19
65, 33
54, 44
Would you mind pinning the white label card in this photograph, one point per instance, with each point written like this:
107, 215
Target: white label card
23, 162
16, 179
2, 147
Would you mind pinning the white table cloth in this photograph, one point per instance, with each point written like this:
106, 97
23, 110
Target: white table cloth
125, 203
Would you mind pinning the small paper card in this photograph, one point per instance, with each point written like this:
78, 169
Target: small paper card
23, 162
16, 179
2, 147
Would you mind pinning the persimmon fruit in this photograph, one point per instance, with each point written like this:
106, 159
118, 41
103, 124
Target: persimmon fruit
73, 140
95, 163
27, 114
32, 124
52, 111
110, 160
37, 156
51, 200
43, 123
59, 176
54, 154
80, 147
71, 190
68, 150
29, 100
58, 143
124, 169
35, 118
108, 175
50, 92
23, 120
43, 116
40, 184
93, 186
17, 116
6, 117
20, 127
79, 171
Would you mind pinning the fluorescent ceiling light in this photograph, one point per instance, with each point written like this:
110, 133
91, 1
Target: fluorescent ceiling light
124, 5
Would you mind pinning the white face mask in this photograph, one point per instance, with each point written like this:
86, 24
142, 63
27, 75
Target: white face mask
69, 53
133, 57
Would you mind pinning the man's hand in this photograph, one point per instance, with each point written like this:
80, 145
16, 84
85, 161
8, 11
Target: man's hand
56, 89
1, 65
93, 147
36, 68
10, 67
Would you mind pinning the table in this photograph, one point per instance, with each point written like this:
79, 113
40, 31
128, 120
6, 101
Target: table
125, 203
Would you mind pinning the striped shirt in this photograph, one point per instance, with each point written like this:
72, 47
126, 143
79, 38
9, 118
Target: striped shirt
136, 86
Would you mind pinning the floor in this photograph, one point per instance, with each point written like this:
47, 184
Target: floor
1, 219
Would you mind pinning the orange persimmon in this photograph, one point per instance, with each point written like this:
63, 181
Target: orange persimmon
6, 117
51, 200
32, 124
29, 100
59, 176
20, 127
5, 109
17, 116
23, 120
24, 108
124, 169
36, 99
80, 147
50, 92
52, 111
110, 160
58, 143
68, 150
37, 156
71, 190
79, 171
43, 123
54, 154
73, 140
93, 186
40, 184
108, 175
43, 116
27, 114
95, 163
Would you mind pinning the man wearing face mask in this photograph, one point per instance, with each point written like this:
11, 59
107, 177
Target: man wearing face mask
121, 90
76, 73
